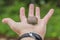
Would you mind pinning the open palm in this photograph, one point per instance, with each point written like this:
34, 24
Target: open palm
23, 27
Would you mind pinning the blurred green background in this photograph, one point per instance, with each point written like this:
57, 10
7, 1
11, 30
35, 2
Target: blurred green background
10, 8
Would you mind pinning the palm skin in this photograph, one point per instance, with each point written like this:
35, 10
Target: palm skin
23, 27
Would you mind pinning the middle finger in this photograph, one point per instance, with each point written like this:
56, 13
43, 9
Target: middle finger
31, 10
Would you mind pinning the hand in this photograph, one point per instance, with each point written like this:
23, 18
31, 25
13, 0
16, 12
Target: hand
23, 27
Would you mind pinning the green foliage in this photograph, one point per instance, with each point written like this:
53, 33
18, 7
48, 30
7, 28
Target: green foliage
12, 11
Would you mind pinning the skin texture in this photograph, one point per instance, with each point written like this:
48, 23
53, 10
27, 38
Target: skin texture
23, 27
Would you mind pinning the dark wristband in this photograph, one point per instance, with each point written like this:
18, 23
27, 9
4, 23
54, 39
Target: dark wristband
32, 35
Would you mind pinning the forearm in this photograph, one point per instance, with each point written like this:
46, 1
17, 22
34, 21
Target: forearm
28, 38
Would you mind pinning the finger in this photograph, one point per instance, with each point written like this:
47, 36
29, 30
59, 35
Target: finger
22, 14
31, 10
9, 21
38, 12
47, 17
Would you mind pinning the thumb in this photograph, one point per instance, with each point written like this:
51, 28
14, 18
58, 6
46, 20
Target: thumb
9, 21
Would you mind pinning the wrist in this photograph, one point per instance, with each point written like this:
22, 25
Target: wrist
30, 36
